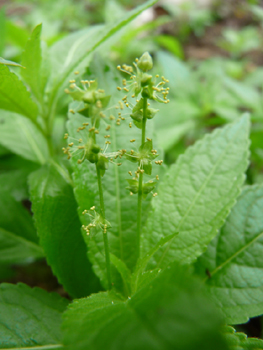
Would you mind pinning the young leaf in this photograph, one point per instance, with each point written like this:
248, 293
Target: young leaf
197, 193
177, 317
123, 271
142, 262
81, 48
58, 226
29, 317
234, 260
31, 60
22, 137
240, 341
14, 95
15, 249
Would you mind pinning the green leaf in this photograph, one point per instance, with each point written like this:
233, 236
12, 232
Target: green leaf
29, 317
240, 341
15, 217
171, 44
123, 271
82, 45
22, 137
15, 249
234, 260
246, 95
31, 59
16, 34
14, 95
177, 316
58, 226
197, 193
9, 63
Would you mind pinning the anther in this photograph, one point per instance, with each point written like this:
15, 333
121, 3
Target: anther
130, 125
72, 111
132, 140
155, 194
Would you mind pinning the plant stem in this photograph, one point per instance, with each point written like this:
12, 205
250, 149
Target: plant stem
105, 236
139, 206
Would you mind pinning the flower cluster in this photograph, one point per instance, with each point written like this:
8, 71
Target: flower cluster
143, 87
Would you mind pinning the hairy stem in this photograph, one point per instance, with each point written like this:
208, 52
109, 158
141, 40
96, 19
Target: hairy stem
139, 207
105, 236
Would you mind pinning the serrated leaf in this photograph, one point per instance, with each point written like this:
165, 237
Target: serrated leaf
82, 45
240, 341
29, 317
9, 63
15, 249
14, 95
235, 260
22, 137
58, 227
31, 60
177, 317
197, 193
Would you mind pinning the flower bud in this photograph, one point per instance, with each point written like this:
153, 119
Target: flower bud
103, 162
134, 186
145, 62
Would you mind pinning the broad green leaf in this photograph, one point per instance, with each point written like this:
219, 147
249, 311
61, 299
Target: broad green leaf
29, 317
120, 207
15, 249
58, 227
197, 193
234, 260
22, 137
31, 60
171, 312
240, 341
9, 63
79, 54
14, 95
16, 34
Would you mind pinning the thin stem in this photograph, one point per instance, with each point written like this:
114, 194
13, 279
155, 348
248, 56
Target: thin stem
139, 206
105, 236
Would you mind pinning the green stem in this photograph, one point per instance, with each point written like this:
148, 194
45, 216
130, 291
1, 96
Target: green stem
105, 236
139, 206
